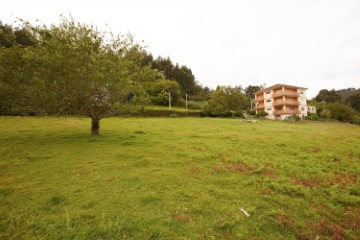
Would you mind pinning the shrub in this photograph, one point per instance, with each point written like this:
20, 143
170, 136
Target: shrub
293, 118
261, 114
342, 112
251, 112
312, 117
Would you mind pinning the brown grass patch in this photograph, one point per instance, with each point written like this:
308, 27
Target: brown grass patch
269, 165
351, 219
239, 167
324, 227
194, 170
269, 174
286, 221
312, 149
182, 217
309, 183
217, 169
266, 192
109, 178
343, 179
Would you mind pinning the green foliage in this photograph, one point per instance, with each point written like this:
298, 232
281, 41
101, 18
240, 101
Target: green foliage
250, 90
293, 118
74, 69
328, 96
354, 101
182, 75
160, 91
226, 101
341, 112
312, 117
252, 112
162, 178
261, 114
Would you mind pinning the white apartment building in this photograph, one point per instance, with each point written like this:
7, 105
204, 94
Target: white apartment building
281, 101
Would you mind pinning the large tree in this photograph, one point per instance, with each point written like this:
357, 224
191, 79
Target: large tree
250, 90
226, 99
354, 101
76, 69
328, 96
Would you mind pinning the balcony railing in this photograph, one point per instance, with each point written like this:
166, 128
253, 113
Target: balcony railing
260, 106
279, 112
286, 102
286, 93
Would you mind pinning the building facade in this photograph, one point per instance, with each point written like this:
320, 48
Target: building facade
281, 101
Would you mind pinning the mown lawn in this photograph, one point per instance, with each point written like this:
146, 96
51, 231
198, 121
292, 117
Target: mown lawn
178, 178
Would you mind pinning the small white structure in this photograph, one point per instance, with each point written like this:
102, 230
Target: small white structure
311, 109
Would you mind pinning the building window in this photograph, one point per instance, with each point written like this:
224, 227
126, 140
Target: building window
269, 109
302, 109
268, 92
301, 92
268, 100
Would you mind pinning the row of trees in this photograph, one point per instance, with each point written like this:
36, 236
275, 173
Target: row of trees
343, 105
73, 68
350, 97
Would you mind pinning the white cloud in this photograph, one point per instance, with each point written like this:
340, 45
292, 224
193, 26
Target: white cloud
315, 44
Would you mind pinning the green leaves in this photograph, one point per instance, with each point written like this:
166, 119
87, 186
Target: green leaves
74, 69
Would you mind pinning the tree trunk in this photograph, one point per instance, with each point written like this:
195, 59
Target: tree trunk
95, 126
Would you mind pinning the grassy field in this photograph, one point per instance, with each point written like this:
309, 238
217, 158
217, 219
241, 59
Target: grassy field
178, 178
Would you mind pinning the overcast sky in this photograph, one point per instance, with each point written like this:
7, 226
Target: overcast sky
308, 43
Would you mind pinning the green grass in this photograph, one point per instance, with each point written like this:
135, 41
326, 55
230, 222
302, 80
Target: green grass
178, 178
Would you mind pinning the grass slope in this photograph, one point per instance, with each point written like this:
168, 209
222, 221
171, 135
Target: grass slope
160, 178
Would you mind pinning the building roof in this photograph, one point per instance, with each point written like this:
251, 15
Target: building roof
278, 86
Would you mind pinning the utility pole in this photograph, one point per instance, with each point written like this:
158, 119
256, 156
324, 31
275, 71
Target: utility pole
170, 99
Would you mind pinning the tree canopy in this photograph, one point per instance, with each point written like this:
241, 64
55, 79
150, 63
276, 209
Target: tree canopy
74, 69
328, 96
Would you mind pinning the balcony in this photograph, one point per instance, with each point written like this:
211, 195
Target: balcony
286, 102
260, 98
286, 93
279, 112
260, 106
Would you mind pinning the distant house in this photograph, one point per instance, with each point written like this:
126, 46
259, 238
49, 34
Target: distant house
311, 109
281, 101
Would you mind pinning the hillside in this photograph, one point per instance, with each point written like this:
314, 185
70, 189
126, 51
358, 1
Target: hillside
345, 93
178, 178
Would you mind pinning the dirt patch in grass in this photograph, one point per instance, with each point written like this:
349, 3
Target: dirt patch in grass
351, 219
343, 179
217, 169
266, 192
182, 217
309, 183
194, 170
326, 228
109, 178
312, 149
239, 167
286, 221
269, 173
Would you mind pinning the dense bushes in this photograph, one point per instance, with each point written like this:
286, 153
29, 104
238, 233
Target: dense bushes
261, 114
312, 116
342, 112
